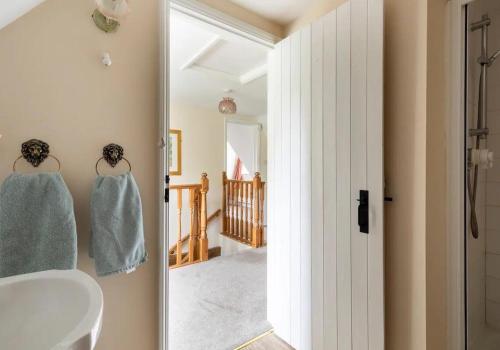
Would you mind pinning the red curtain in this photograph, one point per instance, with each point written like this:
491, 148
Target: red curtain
237, 169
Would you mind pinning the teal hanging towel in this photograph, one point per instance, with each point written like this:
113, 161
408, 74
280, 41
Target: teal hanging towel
37, 224
117, 233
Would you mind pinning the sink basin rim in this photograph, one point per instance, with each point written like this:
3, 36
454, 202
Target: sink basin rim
88, 328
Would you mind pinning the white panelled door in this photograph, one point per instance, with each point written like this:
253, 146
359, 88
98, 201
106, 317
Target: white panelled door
325, 234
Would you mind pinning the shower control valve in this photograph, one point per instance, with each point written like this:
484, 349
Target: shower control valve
482, 157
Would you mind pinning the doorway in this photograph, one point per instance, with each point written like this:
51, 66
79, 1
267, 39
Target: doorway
217, 250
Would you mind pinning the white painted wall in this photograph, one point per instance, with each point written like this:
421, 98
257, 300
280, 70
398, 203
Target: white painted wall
12, 10
325, 277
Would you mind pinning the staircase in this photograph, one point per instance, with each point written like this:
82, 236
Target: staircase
197, 241
243, 210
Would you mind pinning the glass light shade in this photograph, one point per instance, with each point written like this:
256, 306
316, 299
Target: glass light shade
114, 9
227, 106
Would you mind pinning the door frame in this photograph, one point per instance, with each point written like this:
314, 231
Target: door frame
456, 177
209, 15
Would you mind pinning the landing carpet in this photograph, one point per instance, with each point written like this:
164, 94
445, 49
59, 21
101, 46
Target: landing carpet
219, 304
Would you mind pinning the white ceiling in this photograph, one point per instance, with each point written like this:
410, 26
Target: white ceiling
10, 10
206, 60
279, 11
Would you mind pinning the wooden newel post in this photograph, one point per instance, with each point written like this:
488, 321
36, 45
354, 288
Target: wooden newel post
224, 204
256, 227
192, 226
203, 219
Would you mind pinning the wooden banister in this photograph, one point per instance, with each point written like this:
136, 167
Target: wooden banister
203, 218
243, 210
215, 215
211, 218
197, 237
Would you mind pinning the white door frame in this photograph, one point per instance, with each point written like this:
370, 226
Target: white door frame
163, 126
219, 19
456, 166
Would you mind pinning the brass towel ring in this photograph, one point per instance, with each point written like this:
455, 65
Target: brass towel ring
112, 154
97, 164
48, 156
35, 152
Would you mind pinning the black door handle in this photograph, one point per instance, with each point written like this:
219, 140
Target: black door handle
363, 213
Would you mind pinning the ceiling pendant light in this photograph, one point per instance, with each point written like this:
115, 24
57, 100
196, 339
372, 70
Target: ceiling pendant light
227, 105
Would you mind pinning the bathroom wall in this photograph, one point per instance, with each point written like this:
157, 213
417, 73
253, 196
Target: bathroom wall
202, 151
437, 305
54, 87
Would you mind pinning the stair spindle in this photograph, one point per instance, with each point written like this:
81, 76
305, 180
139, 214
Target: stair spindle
203, 220
179, 226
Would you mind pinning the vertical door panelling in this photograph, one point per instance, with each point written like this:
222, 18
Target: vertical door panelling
305, 191
325, 277
375, 162
295, 175
331, 189
286, 185
359, 241
343, 178
317, 182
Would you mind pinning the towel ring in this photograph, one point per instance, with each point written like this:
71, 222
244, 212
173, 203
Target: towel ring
35, 152
112, 154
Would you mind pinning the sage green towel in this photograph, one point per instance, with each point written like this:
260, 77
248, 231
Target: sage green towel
117, 237
37, 224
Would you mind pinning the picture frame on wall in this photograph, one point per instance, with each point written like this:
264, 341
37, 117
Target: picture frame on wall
175, 152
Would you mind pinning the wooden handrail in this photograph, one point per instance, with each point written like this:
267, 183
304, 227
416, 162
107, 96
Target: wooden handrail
243, 210
184, 187
214, 216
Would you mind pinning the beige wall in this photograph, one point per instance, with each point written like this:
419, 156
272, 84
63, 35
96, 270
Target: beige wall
436, 247
53, 87
320, 8
405, 166
202, 151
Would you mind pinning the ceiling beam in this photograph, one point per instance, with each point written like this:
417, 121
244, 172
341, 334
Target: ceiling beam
253, 74
217, 74
205, 50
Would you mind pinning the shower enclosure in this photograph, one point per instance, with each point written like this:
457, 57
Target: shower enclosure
482, 175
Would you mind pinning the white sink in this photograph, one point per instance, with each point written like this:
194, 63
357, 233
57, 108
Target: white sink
50, 310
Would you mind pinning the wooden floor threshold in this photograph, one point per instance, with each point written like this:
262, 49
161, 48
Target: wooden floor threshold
241, 347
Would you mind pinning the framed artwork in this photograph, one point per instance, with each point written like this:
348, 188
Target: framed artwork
175, 152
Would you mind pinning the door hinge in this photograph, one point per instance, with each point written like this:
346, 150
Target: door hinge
363, 211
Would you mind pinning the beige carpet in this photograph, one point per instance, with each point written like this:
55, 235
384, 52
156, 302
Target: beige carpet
219, 304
